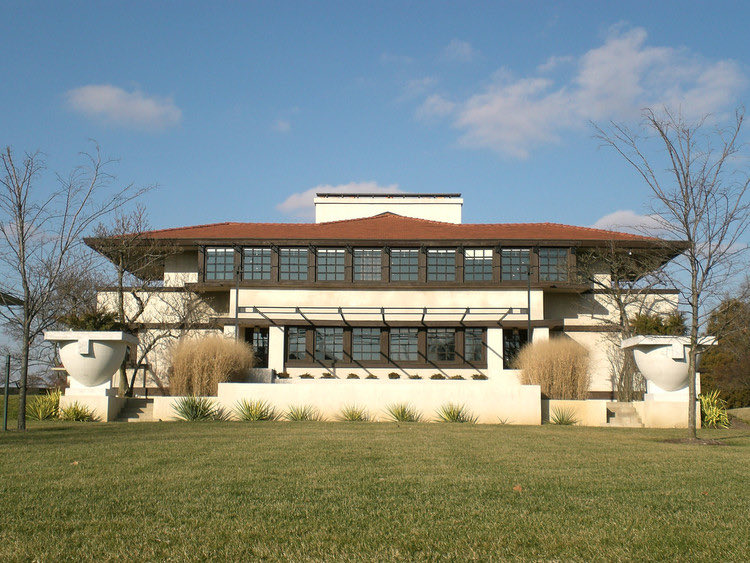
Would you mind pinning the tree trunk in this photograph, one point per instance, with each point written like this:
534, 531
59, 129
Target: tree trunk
692, 418
23, 380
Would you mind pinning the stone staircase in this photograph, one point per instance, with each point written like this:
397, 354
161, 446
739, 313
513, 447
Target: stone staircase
137, 410
623, 415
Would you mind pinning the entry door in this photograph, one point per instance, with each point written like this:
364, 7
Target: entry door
257, 337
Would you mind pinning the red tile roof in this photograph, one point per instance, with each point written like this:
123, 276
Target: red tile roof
389, 226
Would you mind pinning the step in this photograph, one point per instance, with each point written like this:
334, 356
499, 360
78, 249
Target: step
137, 410
623, 415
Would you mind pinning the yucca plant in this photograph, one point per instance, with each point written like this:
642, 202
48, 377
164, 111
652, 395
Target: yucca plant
44, 407
76, 412
402, 412
714, 410
563, 416
452, 412
354, 413
255, 410
302, 413
197, 409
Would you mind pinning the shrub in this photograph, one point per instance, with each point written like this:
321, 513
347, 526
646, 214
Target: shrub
352, 376
415, 376
328, 376
197, 409
451, 412
403, 412
479, 377
564, 416
95, 319
672, 324
714, 410
44, 407
76, 412
302, 413
282, 375
255, 411
560, 366
200, 364
371, 376
306, 376
437, 376
353, 413
393, 375
456, 377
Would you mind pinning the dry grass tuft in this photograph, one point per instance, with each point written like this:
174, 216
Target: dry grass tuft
560, 366
200, 364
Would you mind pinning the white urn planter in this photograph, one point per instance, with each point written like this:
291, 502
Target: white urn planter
91, 358
663, 360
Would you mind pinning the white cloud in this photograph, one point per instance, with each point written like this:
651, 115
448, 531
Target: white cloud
514, 115
418, 86
626, 220
282, 126
554, 62
135, 110
458, 51
435, 106
301, 204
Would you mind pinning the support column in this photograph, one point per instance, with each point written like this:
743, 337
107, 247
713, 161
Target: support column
540, 333
230, 331
276, 336
494, 352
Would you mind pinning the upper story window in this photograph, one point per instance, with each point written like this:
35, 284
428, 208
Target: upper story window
368, 264
404, 264
256, 263
441, 344
473, 345
515, 264
478, 264
553, 264
219, 263
331, 264
329, 343
296, 343
441, 264
403, 345
293, 264
365, 344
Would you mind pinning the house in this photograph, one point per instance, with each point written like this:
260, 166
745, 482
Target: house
391, 287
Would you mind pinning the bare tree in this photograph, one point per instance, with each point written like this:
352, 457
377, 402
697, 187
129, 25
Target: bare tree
40, 239
699, 195
627, 279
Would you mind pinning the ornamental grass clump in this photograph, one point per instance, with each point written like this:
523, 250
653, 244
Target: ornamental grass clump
200, 364
402, 412
44, 407
76, 412
198, 409
714, 410
452, 412
302, 413
563, 416
354, 413
560, 366
255, 411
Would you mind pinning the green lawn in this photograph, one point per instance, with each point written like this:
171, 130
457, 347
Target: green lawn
351, 491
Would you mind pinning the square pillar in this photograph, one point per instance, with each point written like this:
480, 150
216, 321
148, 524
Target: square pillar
539, 333
276, 336
494, 351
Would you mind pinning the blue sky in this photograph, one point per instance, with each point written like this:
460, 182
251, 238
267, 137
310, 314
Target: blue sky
239, 111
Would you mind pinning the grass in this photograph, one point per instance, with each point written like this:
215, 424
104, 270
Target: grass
339, 491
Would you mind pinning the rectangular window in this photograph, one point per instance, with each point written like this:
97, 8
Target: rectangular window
296, 338
403, 345
404, 264
473, 344
367, 264
513, 340
441, 344
366, 343
219, 263
256, 263
441, 264
329, 343
515, 264
293, 263
553, 264
258, 338
478, 264
331, 264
